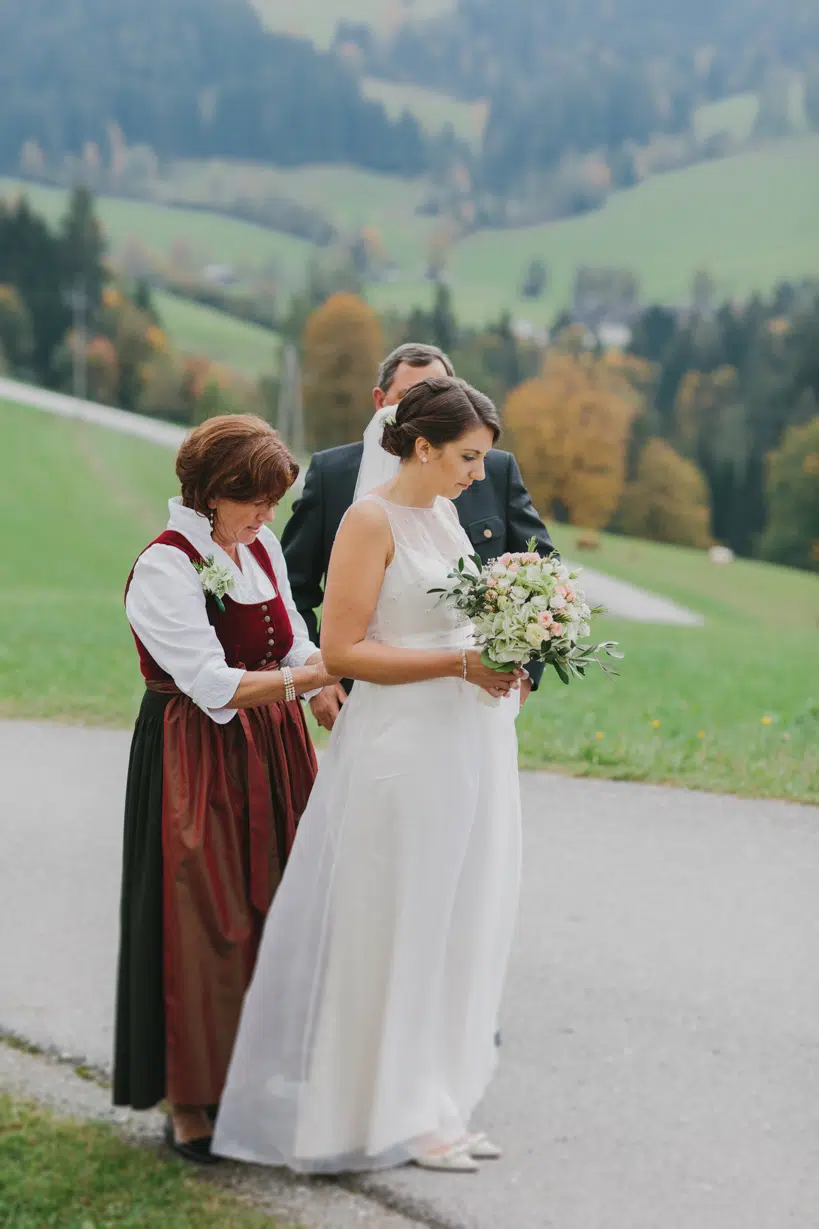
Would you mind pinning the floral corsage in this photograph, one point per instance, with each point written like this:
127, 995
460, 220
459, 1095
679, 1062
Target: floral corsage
216, 580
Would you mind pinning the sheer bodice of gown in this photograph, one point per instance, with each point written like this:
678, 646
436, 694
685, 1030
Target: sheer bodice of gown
428, 543
369, 1023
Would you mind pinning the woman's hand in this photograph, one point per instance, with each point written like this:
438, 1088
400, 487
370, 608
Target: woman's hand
320, 677
326, 706
491, 681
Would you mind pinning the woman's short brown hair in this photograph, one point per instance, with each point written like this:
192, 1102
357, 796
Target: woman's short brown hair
234, 456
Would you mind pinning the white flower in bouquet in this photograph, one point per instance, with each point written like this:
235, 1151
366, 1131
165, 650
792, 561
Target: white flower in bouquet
527, 608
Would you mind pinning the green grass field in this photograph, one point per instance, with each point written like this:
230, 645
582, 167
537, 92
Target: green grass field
55, 1172
749, 219
736, 702
736, 115
350, 197
732, 706
249, 349
432, 109
318, 19
66, 652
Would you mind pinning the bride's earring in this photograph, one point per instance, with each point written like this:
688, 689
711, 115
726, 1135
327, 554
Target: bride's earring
211, 518
424, 460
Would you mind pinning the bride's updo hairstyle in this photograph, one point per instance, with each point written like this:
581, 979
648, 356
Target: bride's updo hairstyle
440, 410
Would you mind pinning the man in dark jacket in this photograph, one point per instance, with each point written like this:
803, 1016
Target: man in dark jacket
497, 514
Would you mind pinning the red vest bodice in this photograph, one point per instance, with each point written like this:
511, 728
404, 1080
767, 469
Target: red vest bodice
254, 636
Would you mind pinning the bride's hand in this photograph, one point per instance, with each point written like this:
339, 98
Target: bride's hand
491, 681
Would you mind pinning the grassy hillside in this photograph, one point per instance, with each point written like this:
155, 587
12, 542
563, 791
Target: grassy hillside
208, 238
351, 198
709, 706
66, 651
736, 115
433, 109
749, 219
247, 348
318, 19
251, 350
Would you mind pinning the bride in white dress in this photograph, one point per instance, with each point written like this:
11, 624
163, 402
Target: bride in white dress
367, 1035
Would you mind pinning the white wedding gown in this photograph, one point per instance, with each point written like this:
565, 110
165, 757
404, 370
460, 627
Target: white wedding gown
368, 1028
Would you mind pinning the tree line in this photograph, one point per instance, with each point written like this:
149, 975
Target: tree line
705, 431
188, 79
565, 81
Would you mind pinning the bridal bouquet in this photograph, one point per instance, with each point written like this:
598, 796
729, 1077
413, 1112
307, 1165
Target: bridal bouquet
526, 608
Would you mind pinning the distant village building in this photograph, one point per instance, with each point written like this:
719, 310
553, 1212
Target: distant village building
220, 275
613, 335
525, 330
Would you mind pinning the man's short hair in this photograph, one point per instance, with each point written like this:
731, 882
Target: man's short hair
417, 355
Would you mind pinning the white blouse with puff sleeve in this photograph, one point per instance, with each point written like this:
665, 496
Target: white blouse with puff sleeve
166, 608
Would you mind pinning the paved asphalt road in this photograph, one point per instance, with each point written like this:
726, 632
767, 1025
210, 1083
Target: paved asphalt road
661, 1060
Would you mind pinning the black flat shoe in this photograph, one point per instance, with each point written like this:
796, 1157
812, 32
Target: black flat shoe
195, 1150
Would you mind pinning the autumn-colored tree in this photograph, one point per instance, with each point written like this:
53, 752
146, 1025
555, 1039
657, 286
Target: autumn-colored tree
102, 370
570, 429
157, 338
198, 373
127, 327
792, 534
636, 376
668, 499
342, 346
16, 330
163, 388
99, 360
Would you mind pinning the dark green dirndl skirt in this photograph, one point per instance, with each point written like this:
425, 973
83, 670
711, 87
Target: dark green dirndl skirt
139, 1041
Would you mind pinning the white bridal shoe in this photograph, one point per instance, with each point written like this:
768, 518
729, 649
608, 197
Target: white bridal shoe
450, 1160
462, 1156
481, 1148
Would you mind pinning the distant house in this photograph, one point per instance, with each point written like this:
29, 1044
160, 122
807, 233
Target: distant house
611, 330
613, 335
525, 330
220, 275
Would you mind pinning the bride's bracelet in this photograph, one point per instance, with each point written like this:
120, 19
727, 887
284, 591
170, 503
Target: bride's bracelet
463, 665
